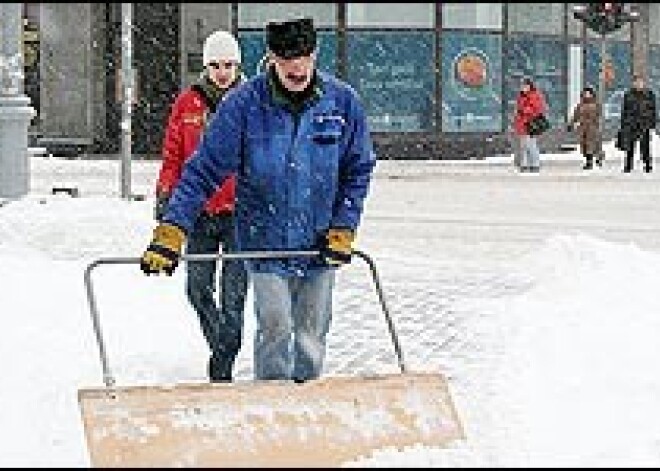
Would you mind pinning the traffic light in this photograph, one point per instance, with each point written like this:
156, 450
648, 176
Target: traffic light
603, 17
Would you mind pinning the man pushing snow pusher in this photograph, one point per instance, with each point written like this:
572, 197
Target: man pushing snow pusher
298, 143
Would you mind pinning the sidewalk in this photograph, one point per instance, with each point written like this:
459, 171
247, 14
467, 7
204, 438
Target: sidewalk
102, 176
559, 165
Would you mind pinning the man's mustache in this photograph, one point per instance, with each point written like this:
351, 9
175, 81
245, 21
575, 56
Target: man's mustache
297, 78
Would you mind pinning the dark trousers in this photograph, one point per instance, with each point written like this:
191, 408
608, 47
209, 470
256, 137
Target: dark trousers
222, 325
645, 149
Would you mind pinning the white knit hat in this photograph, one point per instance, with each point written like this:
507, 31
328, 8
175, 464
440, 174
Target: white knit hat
221, 45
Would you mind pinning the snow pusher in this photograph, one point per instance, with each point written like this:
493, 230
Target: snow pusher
319, 423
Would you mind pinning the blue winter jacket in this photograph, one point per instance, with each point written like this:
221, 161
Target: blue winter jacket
295, 177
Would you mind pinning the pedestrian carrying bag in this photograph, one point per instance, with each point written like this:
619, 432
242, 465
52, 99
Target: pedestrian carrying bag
538, 125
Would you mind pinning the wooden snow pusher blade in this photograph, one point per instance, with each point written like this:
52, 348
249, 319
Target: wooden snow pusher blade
319, 423
323, 423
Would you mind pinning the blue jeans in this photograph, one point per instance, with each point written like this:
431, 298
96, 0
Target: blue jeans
221, 325
293, 319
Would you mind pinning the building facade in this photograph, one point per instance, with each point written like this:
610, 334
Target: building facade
438, 80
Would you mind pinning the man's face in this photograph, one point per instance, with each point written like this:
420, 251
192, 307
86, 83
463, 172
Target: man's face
639, 83
295, 73
223, 72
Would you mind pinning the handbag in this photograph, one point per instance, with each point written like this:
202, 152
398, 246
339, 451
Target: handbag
538, 125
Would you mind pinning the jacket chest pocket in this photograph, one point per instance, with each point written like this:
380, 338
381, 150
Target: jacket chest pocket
327, 129
265, 159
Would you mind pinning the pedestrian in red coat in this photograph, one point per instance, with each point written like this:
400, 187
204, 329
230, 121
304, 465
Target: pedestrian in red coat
530, 103
221, 324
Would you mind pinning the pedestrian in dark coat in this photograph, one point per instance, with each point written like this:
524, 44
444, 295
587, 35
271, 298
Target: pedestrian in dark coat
638, 117
586, 122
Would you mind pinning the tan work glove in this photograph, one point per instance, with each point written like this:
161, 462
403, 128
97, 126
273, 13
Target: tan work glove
337, 246
164, 251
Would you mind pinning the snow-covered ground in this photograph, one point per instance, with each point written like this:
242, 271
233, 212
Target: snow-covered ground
537, 295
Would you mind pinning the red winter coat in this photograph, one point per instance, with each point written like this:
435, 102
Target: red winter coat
528, 106
184, 129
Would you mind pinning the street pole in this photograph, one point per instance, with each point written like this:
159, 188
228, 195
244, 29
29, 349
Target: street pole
127, 85
602, 93
15, 112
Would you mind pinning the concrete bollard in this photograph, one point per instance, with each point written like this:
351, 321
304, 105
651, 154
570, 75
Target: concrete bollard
15, 112
15, 117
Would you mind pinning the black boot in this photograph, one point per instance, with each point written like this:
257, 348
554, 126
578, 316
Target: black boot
628, 162
647, 165
220, 369
589, 163
600, 158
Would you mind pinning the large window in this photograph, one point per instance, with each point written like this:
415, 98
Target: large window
392, 68
256, 15
390, 15
471, 82
393, 73
543, 60
540, 18
472, 16
617, 76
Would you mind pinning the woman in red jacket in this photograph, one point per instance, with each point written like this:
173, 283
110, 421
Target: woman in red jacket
221, 325
530, 103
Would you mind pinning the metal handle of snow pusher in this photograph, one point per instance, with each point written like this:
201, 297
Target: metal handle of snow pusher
108, 377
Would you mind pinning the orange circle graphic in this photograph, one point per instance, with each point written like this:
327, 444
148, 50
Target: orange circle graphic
471, 71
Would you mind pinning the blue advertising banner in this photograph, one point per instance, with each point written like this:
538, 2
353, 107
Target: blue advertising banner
543, 60
471, 82
617, 76
393, 73
253, 48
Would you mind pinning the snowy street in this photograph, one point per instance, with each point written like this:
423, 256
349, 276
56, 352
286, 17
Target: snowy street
536, 295
475, 188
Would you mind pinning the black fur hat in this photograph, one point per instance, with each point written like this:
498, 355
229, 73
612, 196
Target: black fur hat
290, 39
